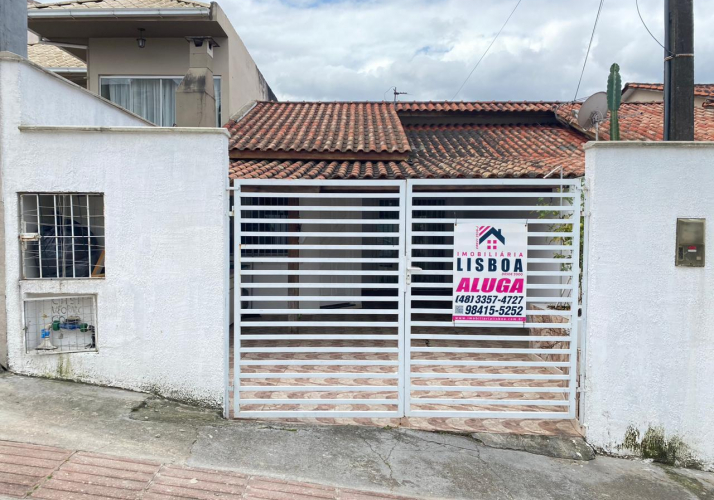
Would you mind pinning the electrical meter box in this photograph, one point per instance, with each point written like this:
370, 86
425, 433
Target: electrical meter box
690, 243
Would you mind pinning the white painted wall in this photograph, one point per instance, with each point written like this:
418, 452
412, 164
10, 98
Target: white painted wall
650, 325
161, 307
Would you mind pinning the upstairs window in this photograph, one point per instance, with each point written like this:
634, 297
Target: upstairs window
62, 235
152, 98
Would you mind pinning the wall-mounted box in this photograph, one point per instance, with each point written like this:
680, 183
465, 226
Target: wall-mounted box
690, 243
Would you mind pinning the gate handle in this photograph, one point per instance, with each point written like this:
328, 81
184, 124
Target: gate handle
414, 268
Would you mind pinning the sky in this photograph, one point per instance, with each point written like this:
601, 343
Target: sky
353, 50
358, 49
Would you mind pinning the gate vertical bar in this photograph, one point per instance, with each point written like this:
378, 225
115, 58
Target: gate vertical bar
407, 349
227, 305
575, 269
403, 328
237, 295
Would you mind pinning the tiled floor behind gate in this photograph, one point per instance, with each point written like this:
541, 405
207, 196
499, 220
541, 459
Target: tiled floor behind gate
426, 387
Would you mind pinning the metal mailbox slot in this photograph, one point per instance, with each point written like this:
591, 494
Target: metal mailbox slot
690, 243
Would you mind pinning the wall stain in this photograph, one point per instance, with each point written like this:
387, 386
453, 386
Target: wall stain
64, 368
655, 445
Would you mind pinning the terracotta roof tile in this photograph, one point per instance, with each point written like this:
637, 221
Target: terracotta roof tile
700, 89
478, 106
288, 169
519, 149
642, 121
418, 168
52, 57
316, 130
119, 4
365, 127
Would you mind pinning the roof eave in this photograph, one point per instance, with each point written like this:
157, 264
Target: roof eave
349, 156
117, 13
68, 70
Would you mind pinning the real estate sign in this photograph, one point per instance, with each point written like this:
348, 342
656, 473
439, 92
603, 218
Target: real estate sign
490, 272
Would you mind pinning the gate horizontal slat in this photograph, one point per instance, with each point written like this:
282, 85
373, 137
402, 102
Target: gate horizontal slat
316, 298
525, 325
524, 415
504, 402
318, 388
318, 401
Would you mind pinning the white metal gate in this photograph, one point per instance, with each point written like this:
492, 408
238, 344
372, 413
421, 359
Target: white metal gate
482, 372
342, 301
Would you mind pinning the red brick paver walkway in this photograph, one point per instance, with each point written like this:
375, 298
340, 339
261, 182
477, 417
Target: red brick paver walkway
33, 471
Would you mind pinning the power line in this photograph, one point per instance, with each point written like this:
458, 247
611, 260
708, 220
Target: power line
637, 4
487, 49
585, 62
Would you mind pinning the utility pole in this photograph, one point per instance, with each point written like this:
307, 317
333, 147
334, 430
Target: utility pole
679, 70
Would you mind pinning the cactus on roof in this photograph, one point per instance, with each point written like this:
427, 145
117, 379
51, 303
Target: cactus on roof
614, 97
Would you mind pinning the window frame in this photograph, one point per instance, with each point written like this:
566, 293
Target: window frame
219, 110
21, 221
94, 333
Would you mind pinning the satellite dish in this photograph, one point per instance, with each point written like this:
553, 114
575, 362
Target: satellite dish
593, 111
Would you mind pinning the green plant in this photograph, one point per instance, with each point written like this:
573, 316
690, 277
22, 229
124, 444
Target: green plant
614, 97
565, 240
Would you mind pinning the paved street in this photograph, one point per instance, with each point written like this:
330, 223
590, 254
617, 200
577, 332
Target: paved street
93, 438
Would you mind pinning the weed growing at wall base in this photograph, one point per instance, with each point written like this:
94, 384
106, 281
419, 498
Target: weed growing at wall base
655, 445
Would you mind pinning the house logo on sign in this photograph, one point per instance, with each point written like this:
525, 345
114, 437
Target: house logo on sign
490, 236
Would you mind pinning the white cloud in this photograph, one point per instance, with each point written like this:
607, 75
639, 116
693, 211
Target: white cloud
356, 49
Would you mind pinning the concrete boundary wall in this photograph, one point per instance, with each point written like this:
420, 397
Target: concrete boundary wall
650, 324
161, 307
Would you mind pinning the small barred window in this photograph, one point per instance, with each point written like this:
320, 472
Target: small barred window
62, 235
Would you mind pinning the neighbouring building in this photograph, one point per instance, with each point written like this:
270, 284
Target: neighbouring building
654, 92
639, 121
58, 61
136, 52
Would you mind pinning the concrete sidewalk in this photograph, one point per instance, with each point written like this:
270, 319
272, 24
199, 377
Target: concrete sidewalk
58, 474
140, 427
